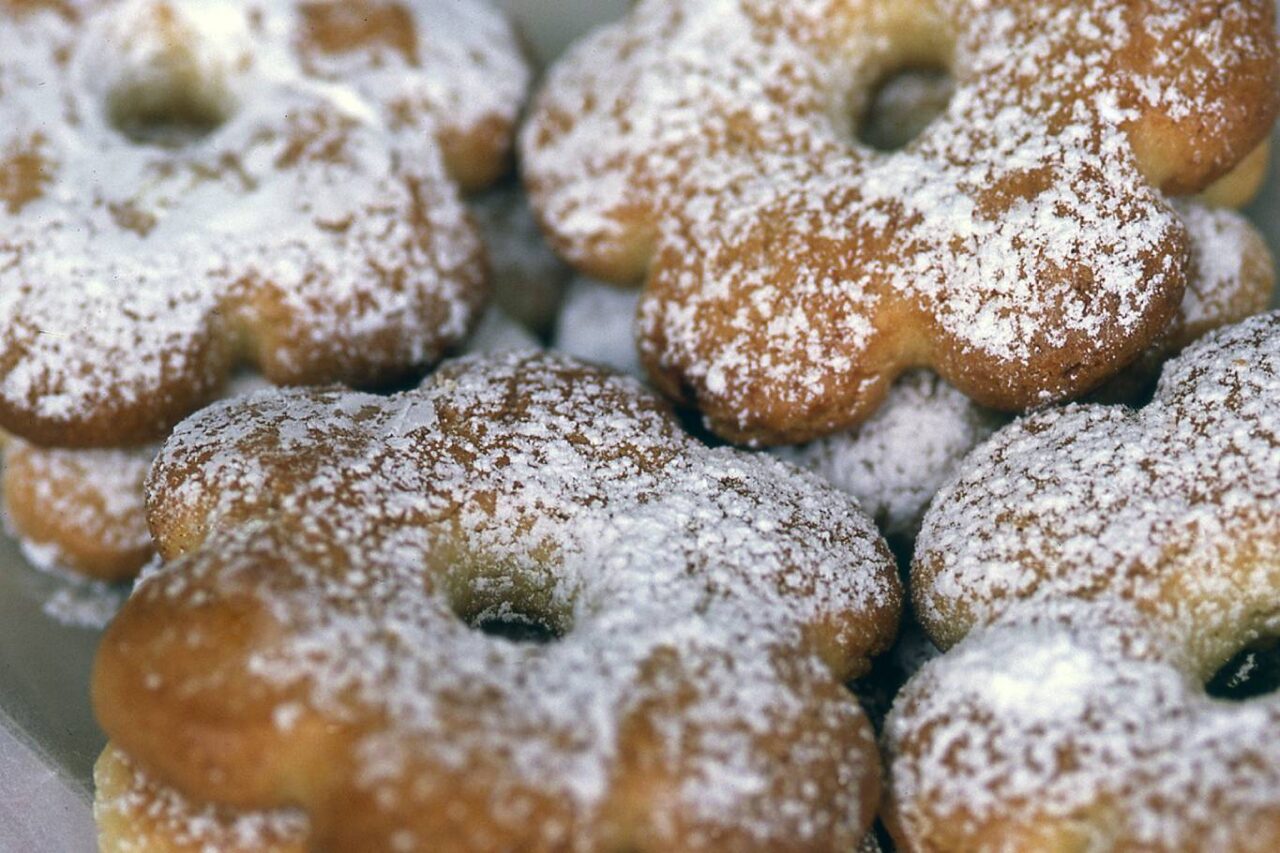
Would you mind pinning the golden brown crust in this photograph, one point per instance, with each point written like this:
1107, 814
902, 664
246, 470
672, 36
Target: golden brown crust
331, 555
1019, 246
136, 814
1175, 149
79, 510
1243, 183
1231, 277
315, 230
1088, 571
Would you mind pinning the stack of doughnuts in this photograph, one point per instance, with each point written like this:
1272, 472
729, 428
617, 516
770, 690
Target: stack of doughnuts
803, 425
1021, 246
875, 272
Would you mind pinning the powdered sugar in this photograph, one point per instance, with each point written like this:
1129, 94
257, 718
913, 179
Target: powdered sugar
136, 813
895, 462
530, 486
1135, 552
793, 274
88, 605
1233, 273
94, 494
308, 211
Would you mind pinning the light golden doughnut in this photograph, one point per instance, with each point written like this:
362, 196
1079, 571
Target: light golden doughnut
78, 510
896, 461
1089, 570
190, 184
320, 635
1020, 246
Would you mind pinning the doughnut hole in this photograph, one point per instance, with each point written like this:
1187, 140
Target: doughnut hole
164, 73
518, 605
172, 109
1251, 673
903, 104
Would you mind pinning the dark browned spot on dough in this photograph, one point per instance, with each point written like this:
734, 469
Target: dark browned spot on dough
24, 172
342, 26
1011, 188
24, 7
130, 217
315, 138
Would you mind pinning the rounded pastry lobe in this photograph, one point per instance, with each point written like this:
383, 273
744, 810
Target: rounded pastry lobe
187, 184
1090, 569
1020, 246
78, 510
81, 511
517, 607
136, 813
1231, 277
895, 462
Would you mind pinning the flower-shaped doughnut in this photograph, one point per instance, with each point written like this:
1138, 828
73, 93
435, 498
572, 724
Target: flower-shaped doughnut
1020, 246
185, 184
1092, 567
895, 462
320, 637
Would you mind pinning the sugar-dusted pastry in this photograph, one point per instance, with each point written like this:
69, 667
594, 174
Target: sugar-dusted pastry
517, 608
190, 184
82, 510
1089, 571
1021, 246
896, 461
78, 510
1231, 277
